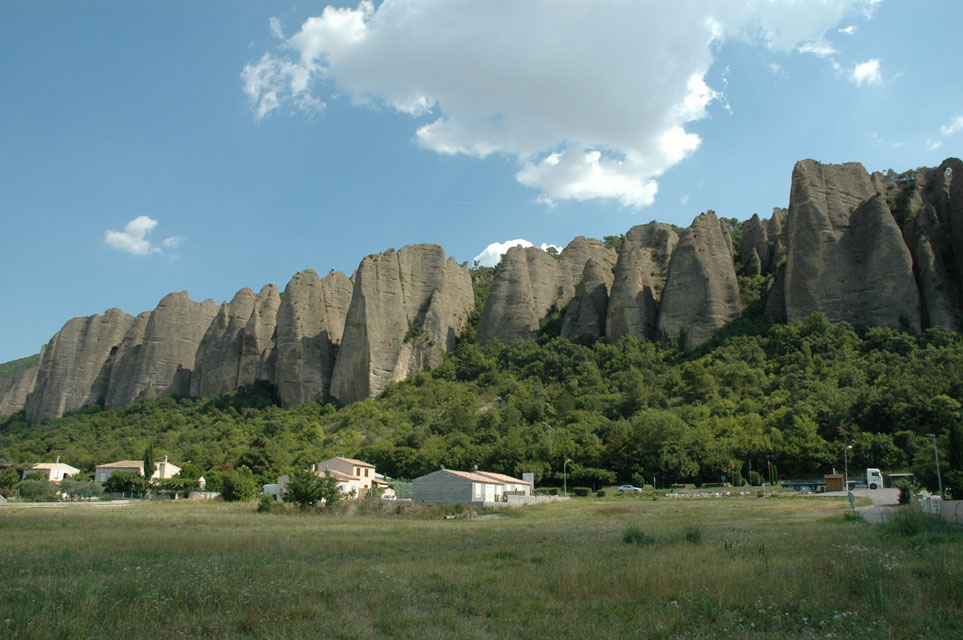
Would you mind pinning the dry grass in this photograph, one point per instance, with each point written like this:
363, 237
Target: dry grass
784, 568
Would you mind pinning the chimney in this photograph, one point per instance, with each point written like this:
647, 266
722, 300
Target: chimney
314, 467
476, 467
442, 467
165, 459
58, 459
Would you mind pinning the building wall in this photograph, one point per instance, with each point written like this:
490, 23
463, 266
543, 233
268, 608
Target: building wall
440, 487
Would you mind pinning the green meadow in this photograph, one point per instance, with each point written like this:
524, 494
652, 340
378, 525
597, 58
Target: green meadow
617, 567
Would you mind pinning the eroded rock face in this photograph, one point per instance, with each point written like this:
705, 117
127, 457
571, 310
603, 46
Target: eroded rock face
531, 284
310, 325
701, 290
639, 281
14, 393
586, 312
407, 308
755, 242
237, 343
845, 252
165, 353
76, 364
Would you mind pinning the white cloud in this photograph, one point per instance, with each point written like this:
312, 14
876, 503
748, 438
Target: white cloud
133, 239
954, 126
867, 73
848, 30
276, 29
494, 252
592, 99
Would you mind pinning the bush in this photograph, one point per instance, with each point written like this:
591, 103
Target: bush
266, 504
600, 493
909, 522
36, 490
105, 498
581, 492
548, 491
237, 485
125, 482
635, 535
693, 535
906, 490
754, 478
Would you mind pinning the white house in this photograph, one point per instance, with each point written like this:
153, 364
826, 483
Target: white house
162, 470
512, 485
52, 471
448, 486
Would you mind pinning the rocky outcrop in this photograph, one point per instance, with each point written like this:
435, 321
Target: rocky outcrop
845, 252
237, 344
754, 247
585, 314
310, 324
531, 284
701, 291
640, 275
14, 393
165, 354
76, 364
407, 308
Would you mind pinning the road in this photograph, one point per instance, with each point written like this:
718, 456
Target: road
884, 502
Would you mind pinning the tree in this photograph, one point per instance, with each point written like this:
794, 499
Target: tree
125, 482
237, 485
36, 490
9, 477
148, 463
305, 489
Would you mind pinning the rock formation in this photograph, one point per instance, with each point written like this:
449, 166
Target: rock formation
14, 393
530, 284
640, 274
407, 308
310, 323
165, 355
237, 344
75, 367
845, 252
877, 249
754, 247
701, 291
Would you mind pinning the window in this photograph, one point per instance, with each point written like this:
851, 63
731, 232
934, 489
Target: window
366, 472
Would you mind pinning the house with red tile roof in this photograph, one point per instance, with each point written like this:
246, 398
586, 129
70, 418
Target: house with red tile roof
52, 471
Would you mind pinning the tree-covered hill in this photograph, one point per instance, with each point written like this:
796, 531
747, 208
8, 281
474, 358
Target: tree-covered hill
793, 395
11, 369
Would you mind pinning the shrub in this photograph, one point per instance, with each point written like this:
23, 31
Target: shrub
906, 490
237, 485
754, 478
693, 535
548, 491
581, 492
125, 482
36, 490
600, 493
304, 490
266, 504
635, 535
909, 522
105, 498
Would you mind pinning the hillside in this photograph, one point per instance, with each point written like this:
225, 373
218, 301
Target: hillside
10, 370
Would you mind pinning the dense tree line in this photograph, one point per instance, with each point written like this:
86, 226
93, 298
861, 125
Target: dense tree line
779, 399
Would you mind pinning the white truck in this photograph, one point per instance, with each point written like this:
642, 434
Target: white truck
873, 479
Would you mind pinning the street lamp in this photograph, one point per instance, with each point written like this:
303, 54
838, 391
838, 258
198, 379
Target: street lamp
936, 453
846, 465
565, 476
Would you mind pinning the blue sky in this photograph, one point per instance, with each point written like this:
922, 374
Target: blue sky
231, 144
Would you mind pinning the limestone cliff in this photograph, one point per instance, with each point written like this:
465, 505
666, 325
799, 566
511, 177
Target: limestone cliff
237, 344
76, 364
701, 291
845, 252
640, 276
14, 393
310, 324
407, 308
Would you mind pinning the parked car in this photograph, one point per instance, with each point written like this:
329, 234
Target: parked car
627, 488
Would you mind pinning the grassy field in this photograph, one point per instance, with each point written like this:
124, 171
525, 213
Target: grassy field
737, 567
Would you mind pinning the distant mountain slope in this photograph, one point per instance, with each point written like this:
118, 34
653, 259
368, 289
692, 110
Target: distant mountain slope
10, 370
